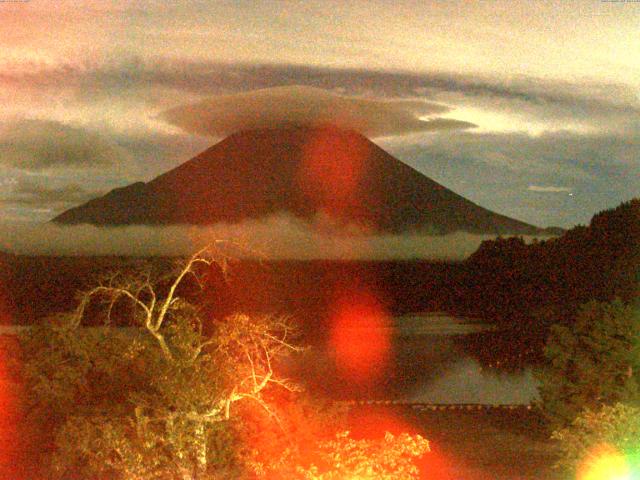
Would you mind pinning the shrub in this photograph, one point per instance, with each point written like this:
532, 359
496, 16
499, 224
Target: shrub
592, 363
343, 457
601, 444
156, 399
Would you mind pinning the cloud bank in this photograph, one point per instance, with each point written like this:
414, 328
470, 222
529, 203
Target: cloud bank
532, 131
547, 189
277, 237
163, 81
47, 144
298, 105
28, 192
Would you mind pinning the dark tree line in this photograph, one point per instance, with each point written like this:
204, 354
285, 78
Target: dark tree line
527, 287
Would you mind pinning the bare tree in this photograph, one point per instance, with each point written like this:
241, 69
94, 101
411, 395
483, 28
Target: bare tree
159, 399
153, 394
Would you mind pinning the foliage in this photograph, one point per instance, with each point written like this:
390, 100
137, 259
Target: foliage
156, 399
271, 448
608, 436
389, 458
595, 362
527, 283
174, 395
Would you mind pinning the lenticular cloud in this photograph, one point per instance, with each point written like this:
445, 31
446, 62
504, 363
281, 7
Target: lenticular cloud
299, 105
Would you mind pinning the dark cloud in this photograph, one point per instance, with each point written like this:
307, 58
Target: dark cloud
296, 105
106, 79
30, 193
47, 166
153, 153
47, 144
67, 155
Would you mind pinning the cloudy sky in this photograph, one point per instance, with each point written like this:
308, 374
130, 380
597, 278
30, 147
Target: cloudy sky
92, 92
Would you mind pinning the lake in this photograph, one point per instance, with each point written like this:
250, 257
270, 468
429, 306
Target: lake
429, 362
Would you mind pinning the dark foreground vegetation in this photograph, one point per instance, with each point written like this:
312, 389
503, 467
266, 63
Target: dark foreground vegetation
545, 282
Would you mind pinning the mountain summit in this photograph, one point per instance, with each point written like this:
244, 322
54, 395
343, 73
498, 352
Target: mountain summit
308, 172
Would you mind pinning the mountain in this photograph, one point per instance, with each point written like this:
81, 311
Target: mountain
309, 172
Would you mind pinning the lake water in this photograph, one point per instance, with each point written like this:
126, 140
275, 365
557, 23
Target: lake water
428, 364
462, 379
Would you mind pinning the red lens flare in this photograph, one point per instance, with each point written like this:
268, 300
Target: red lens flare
333, 164
375, 420
10, 450
360, 338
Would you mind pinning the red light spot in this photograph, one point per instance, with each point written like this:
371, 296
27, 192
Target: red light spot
8, 416
331, 170
12, 442
360, 338
375, 420
10, 439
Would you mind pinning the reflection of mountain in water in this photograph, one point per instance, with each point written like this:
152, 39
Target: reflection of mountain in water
467, 382
430, 365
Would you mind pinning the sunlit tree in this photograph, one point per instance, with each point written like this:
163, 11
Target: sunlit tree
154, 399
136, 383
389, 458
601, 444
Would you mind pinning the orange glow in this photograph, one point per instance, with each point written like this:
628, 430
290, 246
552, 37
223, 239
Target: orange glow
605, 463
8, 418
9, 396
333, 164
373, 421
360, 337
437, 466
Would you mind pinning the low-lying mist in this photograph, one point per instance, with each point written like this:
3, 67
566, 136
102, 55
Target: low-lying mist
277, 237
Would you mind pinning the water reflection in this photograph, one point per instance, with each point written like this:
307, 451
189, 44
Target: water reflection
434, 360
466, 381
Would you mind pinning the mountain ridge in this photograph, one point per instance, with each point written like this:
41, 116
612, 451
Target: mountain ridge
302, 171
